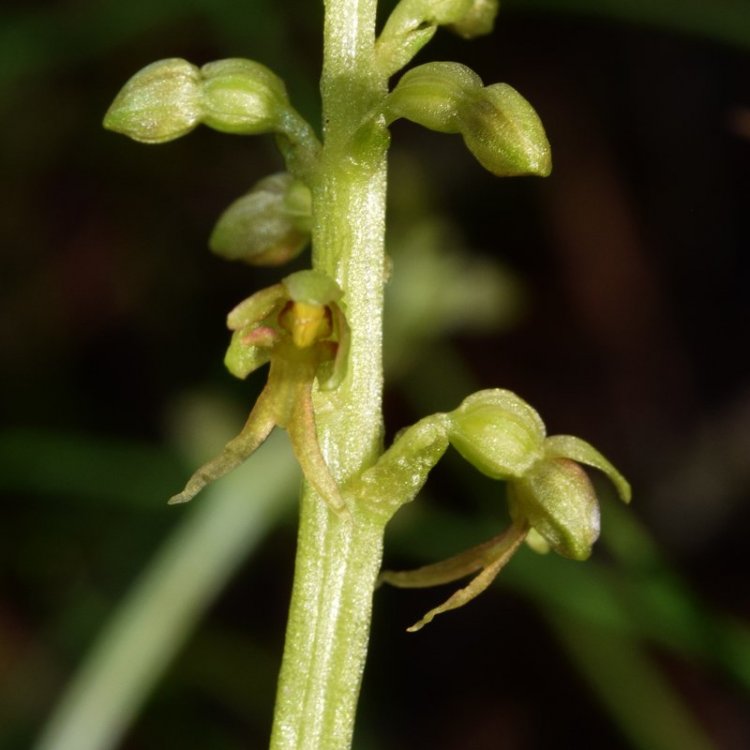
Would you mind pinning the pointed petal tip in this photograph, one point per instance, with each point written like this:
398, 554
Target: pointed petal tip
179, 499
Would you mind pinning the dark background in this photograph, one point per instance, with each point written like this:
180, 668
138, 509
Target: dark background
628, 326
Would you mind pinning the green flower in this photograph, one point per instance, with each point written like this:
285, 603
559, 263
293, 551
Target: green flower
551, 499
504, 437
299, 327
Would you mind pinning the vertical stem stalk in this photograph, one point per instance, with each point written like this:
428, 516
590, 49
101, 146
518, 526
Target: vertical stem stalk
338, 560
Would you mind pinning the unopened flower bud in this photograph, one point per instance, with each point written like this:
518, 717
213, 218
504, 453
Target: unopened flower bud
242, 96
267, 226
558, 500
159, 103
433, 94
505, 134
478, 20
411, 25
497, 432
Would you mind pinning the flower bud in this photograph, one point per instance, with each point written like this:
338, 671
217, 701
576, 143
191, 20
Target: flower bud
504, 133
479, 19
159, 103
267, 226
433, 94
558, 500
411, 25
242, 96
497, 432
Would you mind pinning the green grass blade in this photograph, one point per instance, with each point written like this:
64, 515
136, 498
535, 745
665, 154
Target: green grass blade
167, 601
625, 679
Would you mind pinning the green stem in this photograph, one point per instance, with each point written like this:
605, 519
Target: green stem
338, 560
328, 629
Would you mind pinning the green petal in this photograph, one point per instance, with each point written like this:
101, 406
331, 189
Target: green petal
241, 359
557, 499
568, 446
497, 432
331, 374
256, 307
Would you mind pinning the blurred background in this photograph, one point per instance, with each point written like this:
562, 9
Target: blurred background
612, 296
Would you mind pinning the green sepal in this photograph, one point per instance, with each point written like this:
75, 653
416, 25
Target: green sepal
254, 329
159, 103
312, 287
504, 133
568, 446
256, 308
432, 95
268, 225
497, 432
242, 96
557, 499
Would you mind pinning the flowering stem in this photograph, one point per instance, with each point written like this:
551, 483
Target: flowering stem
338, 559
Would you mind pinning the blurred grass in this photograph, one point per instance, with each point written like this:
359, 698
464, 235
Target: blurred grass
165, 603
71, 465
611, 622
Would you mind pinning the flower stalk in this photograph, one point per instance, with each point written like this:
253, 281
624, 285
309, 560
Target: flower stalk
338, 560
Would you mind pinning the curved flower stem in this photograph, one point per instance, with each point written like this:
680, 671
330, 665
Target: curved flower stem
338, 559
